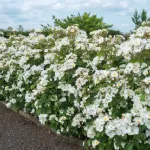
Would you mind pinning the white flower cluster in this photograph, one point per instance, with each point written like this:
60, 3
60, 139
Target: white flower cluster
97, 87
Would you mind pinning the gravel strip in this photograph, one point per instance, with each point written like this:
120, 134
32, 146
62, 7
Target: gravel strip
19, 133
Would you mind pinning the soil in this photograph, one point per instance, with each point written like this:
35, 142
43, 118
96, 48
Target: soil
19, 133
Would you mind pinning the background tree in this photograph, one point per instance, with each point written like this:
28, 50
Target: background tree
86, 22
114, 32
20, 28
144, 15
10, 31
139, 18
46, 29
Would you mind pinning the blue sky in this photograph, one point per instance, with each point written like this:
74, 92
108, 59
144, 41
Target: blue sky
33, 13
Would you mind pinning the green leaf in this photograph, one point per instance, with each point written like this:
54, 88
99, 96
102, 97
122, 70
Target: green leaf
143, 97
129, 147
100, 148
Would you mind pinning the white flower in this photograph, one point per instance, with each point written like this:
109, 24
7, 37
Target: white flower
147, 90
99, 75
135, 130
147, 133
95, 143
77, 120
43, 118
62, 119
80, 82
145, 72
114, 74
147, 80
28, 97
90, 132
8, 105
106, 118
136, 41
115, 147
99, 124
32, 111
128, 68
118, 84
63, 99
91, 110
13, 101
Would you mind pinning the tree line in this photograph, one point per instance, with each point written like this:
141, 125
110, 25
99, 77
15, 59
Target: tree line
86, 22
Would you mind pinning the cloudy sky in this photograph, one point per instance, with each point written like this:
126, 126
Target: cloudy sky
33, 13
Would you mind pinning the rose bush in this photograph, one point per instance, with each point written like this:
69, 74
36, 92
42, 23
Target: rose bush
97, 89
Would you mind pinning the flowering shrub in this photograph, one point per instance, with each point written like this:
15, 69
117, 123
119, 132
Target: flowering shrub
97, 89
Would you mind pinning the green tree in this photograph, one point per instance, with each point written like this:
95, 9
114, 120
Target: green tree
136, 18
20, 28
86, 22
46, 29
144, 15
10, 31
114, 32
139, 18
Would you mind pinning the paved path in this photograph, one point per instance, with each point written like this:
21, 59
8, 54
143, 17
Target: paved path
18, 133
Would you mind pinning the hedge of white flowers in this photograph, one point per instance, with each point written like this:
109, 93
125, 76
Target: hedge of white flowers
96, 89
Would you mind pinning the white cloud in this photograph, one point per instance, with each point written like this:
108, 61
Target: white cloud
127, 12
58, 6
126, 25
34, 4
110, 3
32, 13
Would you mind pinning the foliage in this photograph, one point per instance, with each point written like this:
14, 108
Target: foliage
139, 18
9, 31
96, 88
86, 22
114, 32
46, 30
